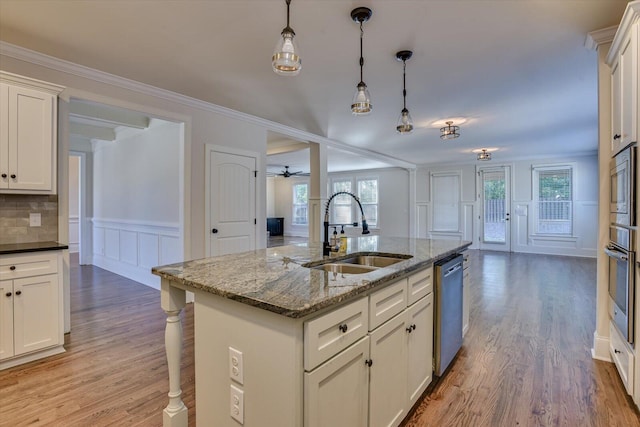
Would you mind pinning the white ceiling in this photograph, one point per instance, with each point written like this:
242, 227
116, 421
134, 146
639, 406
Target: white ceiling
516, 70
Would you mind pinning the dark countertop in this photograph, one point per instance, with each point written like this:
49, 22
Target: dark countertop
18, 248
275, 280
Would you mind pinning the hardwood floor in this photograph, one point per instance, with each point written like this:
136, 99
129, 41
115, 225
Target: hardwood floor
525, 360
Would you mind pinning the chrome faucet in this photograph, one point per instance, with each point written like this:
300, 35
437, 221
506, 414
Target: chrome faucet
326, 248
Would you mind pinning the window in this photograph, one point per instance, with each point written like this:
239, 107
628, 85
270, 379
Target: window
345, 210
300, 204
553, 198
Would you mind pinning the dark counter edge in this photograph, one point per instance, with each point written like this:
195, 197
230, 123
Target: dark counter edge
19, 248
305, 311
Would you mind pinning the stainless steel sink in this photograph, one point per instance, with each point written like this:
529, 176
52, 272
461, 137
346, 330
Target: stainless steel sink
372, 260
340, 268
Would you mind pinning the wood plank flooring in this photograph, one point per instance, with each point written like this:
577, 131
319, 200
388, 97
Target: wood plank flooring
525, 360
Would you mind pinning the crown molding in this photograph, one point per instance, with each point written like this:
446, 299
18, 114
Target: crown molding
630, 17
597, 38
37, 58
28, 82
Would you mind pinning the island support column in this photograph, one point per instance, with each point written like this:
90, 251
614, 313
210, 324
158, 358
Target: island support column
173, 300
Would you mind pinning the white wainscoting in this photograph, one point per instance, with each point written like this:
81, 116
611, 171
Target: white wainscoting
582, 243
74, 234
132, 248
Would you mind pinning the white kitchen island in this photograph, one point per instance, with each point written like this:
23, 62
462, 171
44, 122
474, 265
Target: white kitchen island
279, 343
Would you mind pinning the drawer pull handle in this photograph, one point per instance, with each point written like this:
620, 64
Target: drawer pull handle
411, 328
13, 267
368, 362
18, 292
615, 350
616, 136
343, 328
8, 294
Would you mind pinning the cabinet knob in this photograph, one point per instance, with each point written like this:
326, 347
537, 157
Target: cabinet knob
343, 328
4, 175
409, 329
214, 231
18, 292
615, 350
616, 136
13, 176
13, 267
8, 294
368, 362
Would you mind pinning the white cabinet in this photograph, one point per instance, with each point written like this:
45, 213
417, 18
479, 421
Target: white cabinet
622, 356
419, 348
466, 284
28, 135
31, 307
623, 59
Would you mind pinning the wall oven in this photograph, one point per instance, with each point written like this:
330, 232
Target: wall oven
622, 287
623, 192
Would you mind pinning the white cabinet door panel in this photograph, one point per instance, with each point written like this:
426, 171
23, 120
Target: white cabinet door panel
6, 319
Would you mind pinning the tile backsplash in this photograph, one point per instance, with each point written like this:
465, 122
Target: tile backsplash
14, 218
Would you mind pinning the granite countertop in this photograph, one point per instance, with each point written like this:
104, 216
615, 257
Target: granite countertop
17, 248
275, 280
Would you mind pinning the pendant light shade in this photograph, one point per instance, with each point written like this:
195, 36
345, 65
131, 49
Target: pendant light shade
405, 123
449, 131
286, 59
361, 104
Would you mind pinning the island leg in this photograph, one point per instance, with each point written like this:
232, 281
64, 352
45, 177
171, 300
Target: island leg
173, 301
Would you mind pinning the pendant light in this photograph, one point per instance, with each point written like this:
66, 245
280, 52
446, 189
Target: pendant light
286, 59
361, 104
449, 132
405, 124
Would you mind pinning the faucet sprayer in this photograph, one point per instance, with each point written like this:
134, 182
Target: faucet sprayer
326, 248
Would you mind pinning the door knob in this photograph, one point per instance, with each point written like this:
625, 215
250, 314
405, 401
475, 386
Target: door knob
214, 231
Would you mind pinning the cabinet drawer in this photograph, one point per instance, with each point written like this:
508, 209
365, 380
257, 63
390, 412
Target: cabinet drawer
465, 258
331, 333
420, 285
27, 265
622, 356
386, 303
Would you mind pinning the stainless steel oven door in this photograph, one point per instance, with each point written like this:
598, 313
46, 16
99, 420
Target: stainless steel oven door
622, 204
622, 289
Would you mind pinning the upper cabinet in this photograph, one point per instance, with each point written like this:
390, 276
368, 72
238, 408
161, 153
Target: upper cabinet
623, 59
28, 135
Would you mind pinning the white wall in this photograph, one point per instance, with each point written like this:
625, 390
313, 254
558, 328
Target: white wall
584, 239
136, 218
393, 196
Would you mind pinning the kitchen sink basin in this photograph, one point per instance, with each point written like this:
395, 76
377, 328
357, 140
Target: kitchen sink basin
345, 268
372, 260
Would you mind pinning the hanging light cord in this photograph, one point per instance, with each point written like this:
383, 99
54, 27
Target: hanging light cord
404, 84
288, 3
361, 58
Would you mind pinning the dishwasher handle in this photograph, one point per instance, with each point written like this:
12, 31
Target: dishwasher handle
453, 269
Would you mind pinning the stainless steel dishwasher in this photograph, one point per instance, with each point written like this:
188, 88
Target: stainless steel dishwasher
448, 311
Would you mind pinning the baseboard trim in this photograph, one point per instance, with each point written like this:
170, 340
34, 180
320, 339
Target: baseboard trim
600, 350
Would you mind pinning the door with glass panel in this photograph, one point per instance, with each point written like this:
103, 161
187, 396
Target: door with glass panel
495, 201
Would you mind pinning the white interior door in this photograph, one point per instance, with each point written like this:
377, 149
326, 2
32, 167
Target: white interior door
495, 199
232, 203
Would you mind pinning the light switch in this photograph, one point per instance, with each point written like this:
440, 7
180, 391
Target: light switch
35, 220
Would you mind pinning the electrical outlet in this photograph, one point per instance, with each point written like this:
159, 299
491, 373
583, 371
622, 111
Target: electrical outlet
35, 220
236, 409
236, 365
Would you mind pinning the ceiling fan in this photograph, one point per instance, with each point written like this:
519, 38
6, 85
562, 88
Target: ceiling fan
286, 173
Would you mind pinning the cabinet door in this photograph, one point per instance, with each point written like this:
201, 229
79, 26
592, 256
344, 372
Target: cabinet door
336, 392
628, 89
388, 373
616, 108
6, 319
4, 136
36, 306
420, 348
31, 139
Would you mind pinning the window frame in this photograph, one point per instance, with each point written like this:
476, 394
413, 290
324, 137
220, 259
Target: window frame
535, 197
355, 215
295, 205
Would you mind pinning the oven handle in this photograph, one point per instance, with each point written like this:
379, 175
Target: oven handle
616, 254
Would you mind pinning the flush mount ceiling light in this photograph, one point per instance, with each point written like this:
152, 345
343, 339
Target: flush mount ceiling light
286, 59
405, 123
484, 155
361, 104
449, 131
